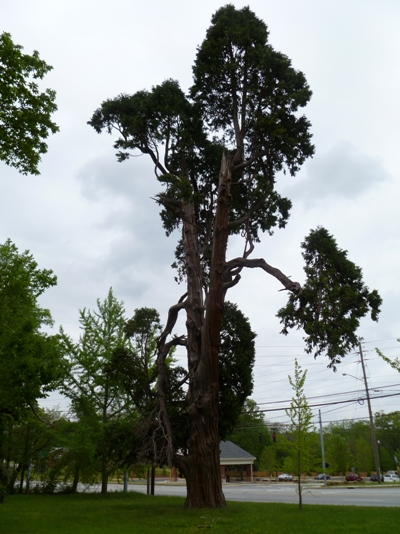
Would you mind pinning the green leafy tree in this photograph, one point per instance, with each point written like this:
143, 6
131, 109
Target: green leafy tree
216, 154
268, 459
363, 457
25, 111
302, 454
76, 457
338, 453
22, 443
388, 432
30, 360
98, 399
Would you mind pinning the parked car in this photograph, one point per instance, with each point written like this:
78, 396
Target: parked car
285, 477
374, 478
353, 477
391, 478
322, 476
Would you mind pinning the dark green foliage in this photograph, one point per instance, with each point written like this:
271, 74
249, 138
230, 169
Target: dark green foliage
358, 451
239, 78
244, 98
24, 111
134, 367
249, 94
333, 299
134, 363
235, 366
235, 372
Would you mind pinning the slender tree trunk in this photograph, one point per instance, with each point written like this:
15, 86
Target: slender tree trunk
104, 475
75, 482
299, 488
4, 464
104, 466
25, 462
21, 483
153, 476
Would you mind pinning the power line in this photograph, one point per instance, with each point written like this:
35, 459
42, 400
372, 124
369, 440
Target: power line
331, 403
330, 395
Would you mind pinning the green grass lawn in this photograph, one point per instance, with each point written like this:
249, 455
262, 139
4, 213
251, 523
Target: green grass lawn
123, 513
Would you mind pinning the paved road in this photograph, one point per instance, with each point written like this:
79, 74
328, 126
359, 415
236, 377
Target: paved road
286, 493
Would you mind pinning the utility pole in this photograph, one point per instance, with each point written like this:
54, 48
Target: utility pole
322, 447
371, 419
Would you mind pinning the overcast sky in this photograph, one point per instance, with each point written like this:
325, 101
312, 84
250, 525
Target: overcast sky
93, 222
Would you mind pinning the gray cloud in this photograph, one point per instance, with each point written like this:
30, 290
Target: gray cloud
342, 172
93, 221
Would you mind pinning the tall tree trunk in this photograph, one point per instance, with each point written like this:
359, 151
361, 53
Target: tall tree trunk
201, 466
203, 474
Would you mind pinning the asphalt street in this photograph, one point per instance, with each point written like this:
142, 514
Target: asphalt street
287, 493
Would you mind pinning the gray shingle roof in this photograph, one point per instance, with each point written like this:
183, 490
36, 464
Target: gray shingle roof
230, 450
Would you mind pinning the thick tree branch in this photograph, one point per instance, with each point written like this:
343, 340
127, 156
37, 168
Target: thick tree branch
172, 318
181, 341
247, 216
295, 287
232, 282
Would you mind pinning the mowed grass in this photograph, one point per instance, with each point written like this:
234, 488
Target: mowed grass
123, 513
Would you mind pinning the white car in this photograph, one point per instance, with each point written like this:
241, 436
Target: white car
285, 477
391, 478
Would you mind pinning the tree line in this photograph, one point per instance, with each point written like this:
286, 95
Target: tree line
109, 377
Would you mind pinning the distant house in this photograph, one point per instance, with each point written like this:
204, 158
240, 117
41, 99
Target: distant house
234, 458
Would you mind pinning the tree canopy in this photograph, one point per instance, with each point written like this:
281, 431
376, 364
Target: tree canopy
25, 111
332, 300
